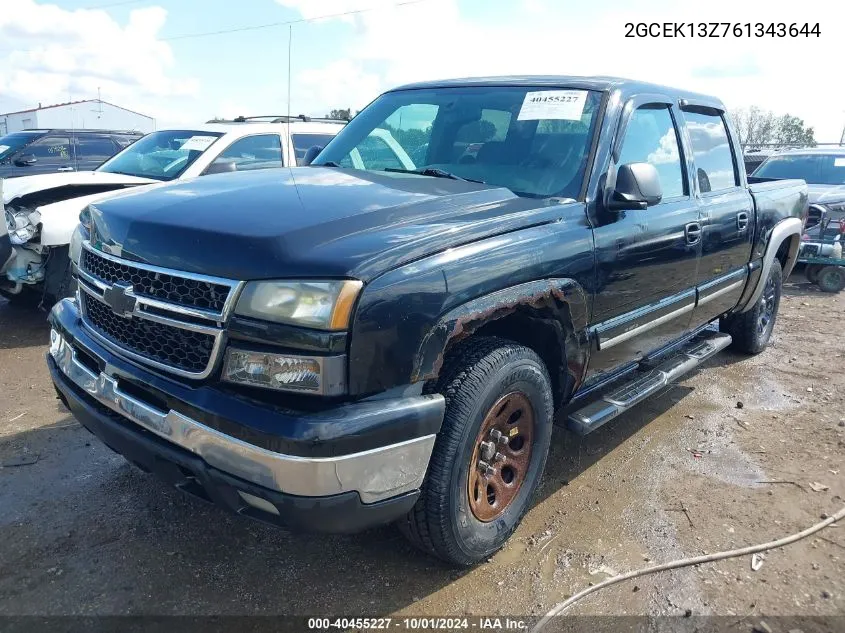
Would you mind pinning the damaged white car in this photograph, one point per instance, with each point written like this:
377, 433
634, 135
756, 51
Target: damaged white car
42, 211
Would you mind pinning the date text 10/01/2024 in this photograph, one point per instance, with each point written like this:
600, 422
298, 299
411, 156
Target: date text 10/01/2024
721, 29
419, 623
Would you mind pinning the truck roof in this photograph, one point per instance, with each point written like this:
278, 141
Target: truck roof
602, 83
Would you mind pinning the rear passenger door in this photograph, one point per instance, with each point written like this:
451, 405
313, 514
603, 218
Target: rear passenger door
647, 259
92, 150
727, 213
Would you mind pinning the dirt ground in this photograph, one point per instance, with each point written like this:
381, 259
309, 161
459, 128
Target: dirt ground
744, 451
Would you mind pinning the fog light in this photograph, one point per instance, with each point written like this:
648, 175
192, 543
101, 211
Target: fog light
323, 375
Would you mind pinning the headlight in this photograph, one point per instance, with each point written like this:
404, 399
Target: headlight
326, 305
22, 225
322, 375
80, 234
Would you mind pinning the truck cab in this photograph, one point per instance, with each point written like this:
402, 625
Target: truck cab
361, 340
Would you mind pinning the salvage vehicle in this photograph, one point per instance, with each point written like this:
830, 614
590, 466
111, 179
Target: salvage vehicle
821, 254
32, 152
331, 348
43, 211
824, 171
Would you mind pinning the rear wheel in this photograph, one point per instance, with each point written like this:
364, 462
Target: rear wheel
831, 278
489, 455
752, 330
811, 272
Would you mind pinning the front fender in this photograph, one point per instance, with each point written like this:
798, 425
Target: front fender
559, 302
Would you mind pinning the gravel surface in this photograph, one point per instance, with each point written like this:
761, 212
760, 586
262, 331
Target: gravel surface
689, 472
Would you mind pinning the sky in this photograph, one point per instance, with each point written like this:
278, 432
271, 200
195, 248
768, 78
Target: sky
141, 54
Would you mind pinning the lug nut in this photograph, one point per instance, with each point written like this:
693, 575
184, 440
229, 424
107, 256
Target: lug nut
498, 457
495, 434
486, 469
488, 450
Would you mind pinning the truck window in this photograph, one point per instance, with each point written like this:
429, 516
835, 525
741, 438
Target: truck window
651, 137
714, 159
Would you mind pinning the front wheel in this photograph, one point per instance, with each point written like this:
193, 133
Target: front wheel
751, 330
489, 455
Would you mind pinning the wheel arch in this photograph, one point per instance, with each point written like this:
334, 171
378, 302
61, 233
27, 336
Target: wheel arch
549, 316
783, 244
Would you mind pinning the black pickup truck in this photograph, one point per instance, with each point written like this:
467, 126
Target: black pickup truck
357, 341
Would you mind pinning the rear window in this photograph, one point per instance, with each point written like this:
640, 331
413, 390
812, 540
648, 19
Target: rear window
816, 169
714, 160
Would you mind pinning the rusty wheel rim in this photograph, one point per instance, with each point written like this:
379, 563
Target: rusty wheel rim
501, 456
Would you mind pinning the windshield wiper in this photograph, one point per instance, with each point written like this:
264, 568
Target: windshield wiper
434, 172
328, 163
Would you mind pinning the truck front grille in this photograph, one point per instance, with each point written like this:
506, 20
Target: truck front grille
171, 320
184, 350
146, 281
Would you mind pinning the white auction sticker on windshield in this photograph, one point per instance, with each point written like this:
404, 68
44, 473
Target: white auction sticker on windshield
837, 162
200, 143
565, 105
3, 148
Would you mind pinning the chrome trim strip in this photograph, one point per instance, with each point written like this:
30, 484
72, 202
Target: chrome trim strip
214, 359
721, 291
621, 338
144, 300
234, 286
375, 474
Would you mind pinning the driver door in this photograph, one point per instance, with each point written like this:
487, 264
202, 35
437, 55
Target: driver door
647, 260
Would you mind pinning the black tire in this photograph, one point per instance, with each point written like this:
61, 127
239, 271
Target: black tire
477, 373
752, 330
26, 298
811, 272
831, 279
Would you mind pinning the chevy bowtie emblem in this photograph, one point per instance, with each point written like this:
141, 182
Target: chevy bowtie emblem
120, 299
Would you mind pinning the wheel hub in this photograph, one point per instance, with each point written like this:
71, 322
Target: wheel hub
501, 456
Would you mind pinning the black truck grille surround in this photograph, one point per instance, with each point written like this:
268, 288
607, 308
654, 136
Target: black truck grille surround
194, 293
176, 347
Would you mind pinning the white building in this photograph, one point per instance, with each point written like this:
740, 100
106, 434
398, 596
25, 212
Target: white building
88, 114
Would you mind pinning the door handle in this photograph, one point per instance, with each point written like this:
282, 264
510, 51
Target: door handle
742, 220
65, 169
693, 232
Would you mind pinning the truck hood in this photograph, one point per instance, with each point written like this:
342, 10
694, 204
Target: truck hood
826, 194
15, 188
306, 222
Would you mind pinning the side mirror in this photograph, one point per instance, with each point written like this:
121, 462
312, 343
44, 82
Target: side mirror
311, 154
221, 167
25, 160
637, 187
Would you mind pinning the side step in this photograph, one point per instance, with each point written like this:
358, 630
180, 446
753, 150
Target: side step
645, 384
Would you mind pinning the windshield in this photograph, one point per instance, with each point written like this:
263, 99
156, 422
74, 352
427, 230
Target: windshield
816, 169
11, 143
161, 155
303, 142
533, 141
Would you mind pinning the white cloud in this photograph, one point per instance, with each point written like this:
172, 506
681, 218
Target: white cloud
437, 38
49, 54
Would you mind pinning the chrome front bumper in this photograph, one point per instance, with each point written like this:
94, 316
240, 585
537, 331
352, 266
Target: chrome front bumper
375, 474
